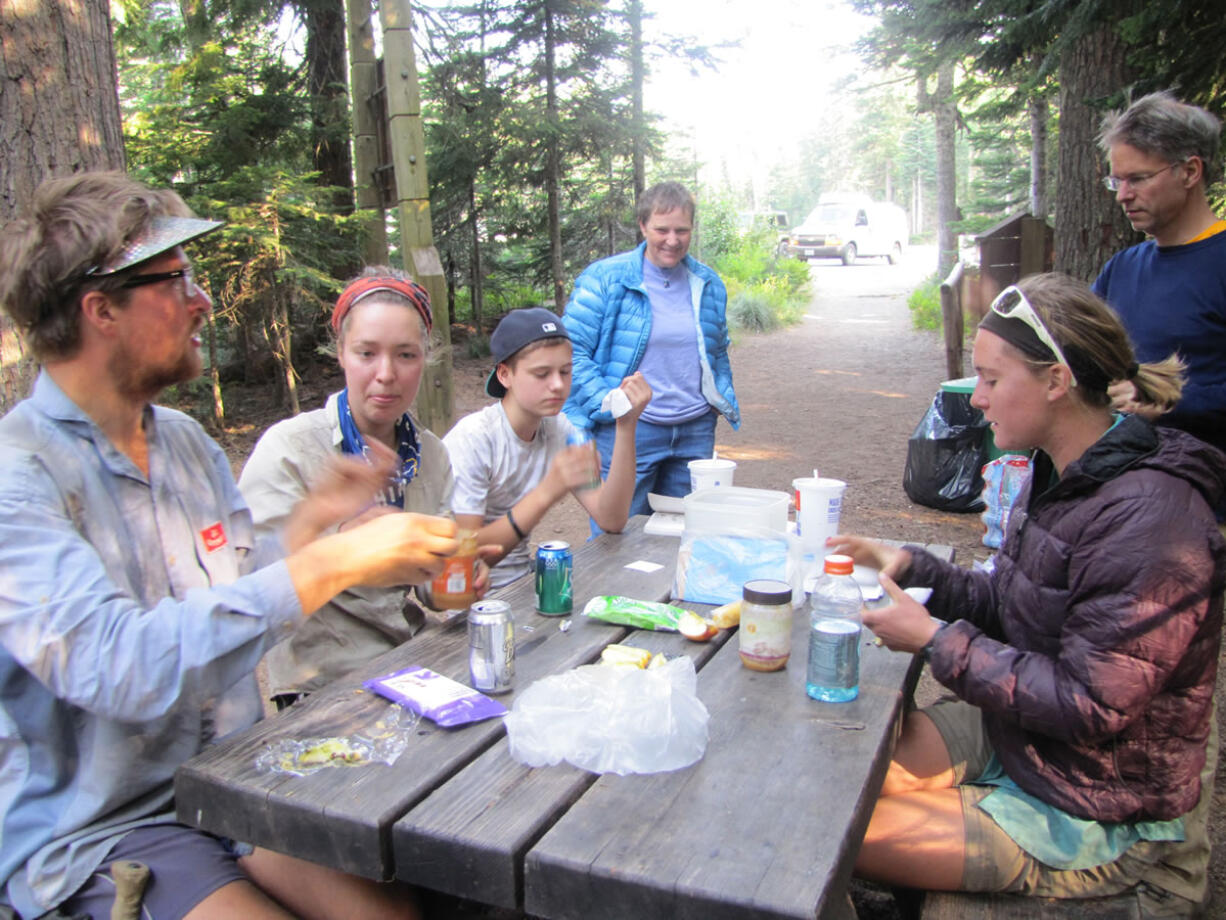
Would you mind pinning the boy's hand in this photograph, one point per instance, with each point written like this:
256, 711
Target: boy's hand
638, 391
575, 467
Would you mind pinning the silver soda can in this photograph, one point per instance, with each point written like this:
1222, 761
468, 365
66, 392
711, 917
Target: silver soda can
491, 646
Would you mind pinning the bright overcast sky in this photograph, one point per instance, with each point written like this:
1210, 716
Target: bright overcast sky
769, 92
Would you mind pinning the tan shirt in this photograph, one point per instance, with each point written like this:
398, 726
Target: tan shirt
359, 623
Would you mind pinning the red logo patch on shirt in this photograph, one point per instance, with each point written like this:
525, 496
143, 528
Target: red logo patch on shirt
214, 537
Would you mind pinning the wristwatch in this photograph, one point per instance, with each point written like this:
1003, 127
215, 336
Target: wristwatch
926, 651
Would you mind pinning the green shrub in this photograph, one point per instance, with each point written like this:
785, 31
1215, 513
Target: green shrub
925, 304
752, 311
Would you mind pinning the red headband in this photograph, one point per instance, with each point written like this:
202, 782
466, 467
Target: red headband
357, 290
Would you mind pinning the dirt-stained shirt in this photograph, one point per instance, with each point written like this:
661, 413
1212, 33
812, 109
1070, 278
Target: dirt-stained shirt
133, 611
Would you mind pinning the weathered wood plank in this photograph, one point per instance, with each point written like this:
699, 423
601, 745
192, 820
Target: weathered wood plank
766, 825
469, 837
220, 790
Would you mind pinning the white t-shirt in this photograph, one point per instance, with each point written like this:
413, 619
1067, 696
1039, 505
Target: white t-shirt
494, 468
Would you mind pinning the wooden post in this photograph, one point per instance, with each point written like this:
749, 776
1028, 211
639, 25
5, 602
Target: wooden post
952, 322
363, 81
434, 399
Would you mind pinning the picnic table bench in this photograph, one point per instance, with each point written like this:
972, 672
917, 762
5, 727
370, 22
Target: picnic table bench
766, 824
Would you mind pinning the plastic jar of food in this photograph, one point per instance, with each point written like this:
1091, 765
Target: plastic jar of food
453, 588
766, 624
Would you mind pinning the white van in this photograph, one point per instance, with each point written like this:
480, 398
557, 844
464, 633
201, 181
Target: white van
848, 227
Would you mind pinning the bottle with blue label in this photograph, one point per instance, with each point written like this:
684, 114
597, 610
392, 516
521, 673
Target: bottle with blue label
834, 634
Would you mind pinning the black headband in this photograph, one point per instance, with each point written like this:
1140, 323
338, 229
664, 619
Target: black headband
1019, 334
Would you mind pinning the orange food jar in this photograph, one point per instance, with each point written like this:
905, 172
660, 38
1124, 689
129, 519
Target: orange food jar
453, 588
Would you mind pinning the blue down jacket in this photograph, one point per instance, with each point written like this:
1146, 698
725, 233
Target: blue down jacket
609, 321
1092, 649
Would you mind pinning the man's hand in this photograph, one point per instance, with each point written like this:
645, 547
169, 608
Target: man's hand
905, 625
401, 548
638, 391
342, 494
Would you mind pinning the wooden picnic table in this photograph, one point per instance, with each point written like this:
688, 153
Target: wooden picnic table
766, 824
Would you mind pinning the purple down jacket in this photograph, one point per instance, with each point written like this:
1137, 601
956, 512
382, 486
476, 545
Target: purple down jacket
1092, 649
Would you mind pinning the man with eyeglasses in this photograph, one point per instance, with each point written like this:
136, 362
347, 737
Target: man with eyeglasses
1170, 291
135, 602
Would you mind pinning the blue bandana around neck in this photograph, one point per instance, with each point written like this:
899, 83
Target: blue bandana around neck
407, 447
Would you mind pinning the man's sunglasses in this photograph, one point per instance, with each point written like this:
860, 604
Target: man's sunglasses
188, 282
1012, 303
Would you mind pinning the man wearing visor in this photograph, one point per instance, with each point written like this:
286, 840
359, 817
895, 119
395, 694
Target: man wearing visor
135, 602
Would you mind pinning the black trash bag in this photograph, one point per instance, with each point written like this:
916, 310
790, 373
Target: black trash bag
946, 454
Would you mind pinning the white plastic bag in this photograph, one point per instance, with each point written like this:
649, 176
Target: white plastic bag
612, 719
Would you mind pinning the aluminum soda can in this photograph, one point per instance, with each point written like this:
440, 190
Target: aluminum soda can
491, 646
554, 565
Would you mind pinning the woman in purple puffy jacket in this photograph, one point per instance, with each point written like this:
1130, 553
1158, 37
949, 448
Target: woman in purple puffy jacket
1077, 757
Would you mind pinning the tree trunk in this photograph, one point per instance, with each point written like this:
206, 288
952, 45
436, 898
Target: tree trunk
1036, 107
1090, 227
945, 112
637, 73
219, 406
477, 282
553, 167
363, 78
59, 114
328, 88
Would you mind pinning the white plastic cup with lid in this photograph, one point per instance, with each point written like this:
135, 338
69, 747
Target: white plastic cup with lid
708, 474
819, 502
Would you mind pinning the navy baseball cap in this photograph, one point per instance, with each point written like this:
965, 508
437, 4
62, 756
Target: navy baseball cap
517, 329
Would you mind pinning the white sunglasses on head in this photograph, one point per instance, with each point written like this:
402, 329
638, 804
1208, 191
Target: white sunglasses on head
1012, 303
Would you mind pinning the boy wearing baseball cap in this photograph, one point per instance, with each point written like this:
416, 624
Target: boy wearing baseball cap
515, 459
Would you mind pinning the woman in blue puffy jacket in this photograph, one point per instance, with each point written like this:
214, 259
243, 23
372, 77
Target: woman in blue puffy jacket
655, 310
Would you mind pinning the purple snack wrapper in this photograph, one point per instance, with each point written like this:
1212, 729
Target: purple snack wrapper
440, 699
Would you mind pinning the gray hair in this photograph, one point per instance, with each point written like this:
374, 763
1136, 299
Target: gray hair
663, 197
1161, 125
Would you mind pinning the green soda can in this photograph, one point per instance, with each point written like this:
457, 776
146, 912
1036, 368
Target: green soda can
554, 565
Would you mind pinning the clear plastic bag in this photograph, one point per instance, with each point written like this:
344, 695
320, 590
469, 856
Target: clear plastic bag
612, 720
1003, 479
381, 741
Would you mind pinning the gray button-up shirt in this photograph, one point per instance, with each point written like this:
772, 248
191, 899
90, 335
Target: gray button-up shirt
132, 615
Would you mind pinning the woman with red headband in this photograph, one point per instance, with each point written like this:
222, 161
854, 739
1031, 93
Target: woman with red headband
382, 323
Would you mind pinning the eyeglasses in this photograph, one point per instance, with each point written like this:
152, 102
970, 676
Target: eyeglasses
1115, 183
1012, 303
187, 284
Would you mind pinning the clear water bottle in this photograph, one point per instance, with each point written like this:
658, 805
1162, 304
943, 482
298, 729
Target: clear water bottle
834, 634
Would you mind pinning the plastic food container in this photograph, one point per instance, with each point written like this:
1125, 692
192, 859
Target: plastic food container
735, 507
